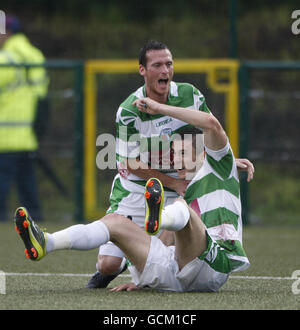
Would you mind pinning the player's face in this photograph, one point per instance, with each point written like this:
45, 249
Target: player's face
186, 162
158, 74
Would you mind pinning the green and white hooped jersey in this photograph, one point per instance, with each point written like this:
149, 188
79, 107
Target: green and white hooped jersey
215, 194
148, 136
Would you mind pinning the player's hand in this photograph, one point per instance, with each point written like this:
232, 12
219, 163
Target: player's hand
147, 105
125, 287
180, 186
244, 164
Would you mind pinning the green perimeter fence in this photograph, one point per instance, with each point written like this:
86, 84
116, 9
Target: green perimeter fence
269, 136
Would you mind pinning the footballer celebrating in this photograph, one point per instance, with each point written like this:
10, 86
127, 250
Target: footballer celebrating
143, 150
208, 235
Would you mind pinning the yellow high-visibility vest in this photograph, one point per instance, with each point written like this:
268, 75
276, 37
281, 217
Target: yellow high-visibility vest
20, 89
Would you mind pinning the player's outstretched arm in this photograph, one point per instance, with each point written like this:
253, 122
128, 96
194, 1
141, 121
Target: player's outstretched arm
214, 136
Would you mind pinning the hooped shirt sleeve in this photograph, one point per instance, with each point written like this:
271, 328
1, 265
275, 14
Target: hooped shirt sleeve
127, 141
221, 161
199, 101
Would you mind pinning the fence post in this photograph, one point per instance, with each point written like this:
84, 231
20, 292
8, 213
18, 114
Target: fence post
78, 123
233, 47
244, 137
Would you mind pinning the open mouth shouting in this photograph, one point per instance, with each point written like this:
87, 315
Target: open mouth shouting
163, 83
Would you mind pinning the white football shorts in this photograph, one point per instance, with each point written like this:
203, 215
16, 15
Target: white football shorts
161, 272
132, 205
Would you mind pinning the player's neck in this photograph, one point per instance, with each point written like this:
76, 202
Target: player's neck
160, 98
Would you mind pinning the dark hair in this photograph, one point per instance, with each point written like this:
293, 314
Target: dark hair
190, 133
190, 130
150, 45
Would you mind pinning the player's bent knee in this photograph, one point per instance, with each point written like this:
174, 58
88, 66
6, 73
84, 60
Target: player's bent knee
113, 218
116, 224
108, 265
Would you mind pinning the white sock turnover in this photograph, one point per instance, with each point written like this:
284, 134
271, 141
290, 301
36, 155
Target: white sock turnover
175, 216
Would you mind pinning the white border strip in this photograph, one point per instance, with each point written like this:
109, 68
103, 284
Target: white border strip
128, 275
51, 274
263, 278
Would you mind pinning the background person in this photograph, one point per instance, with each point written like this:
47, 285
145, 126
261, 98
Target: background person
21, 91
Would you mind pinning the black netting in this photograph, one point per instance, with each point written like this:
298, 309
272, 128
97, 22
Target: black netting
273, 145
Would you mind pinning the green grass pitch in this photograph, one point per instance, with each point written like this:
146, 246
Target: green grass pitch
267, 284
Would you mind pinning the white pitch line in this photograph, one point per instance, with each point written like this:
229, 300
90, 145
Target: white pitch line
263, 278
128, 275
50, 274
56, 274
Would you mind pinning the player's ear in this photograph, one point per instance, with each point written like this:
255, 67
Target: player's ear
142, 70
